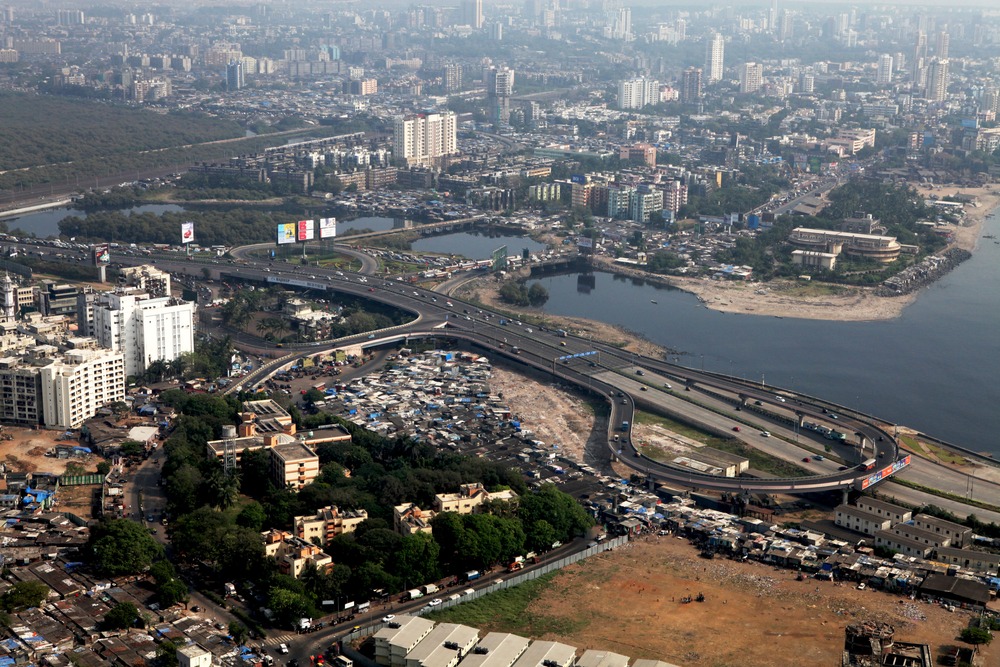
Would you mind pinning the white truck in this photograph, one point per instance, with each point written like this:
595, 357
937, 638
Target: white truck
429, 588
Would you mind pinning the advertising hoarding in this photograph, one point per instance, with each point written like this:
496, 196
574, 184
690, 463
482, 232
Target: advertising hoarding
101, 254
305, 230
327, 228
286, 233
187, 232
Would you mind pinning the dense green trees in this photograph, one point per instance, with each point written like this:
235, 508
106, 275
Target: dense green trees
383, 472
122, 616
119, 547
24, 595
517, 293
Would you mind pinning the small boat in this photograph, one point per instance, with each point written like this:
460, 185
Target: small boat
652, 301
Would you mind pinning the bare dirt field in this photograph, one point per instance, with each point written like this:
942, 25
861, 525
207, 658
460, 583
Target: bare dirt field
628, 601
26, 452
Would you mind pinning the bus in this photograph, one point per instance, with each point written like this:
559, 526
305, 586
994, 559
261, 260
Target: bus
867, 464
319, 386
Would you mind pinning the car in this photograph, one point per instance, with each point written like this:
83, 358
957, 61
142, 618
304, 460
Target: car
195, 608
833, 416
757, 403
643, 388
806, 459
842, 468
862, 586
780, 399
371, 289
283, 648
562, 343
434, 603
736, 428
666, 385
765, 434
639, 371
388, 618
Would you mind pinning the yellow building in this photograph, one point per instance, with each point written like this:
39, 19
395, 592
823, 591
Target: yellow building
328, 523
293, 554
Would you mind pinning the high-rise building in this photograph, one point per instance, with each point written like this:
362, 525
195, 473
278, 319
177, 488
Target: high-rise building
621, 25
883, 75
71, 17
917, 66
807, 83
472, 13
715, 58
637, 93
751, 77
496, 31
943, 42
452, 76
77, 383
143, 329
425, 139
499, 82
691, 85
937, 80
235, 77
785, 24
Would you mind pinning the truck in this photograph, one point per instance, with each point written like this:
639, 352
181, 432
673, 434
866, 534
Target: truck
429, 588
230, 589
413, 594
518, 564
471, 575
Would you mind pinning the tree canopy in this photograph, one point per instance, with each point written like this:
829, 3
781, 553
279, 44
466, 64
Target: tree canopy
119, 547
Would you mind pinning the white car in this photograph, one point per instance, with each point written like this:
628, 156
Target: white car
388, 618
780, 399
283, 648
765, 434
862, 586
434, 603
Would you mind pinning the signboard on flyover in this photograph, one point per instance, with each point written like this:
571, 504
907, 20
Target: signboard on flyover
286, 233
577, 355
327, 228
877, 477
310, 284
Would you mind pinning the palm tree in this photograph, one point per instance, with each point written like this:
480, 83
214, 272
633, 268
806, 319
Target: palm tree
224, 488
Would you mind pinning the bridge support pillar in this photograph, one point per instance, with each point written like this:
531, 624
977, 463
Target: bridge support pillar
845, 494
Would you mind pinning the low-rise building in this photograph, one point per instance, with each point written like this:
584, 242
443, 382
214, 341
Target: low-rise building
409, 519
547, 654
293, 554
394, 641
956, 534
327, 523
861, 521
293, 465
469, 499
594, 658
903, 544
194, 655
444, 646
497, 649
881, 508
976, 561
882, 249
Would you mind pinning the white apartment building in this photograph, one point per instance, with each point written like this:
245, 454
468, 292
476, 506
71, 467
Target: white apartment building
751, 77
637, 93
714, 58
423, 139
77, 383
144, 329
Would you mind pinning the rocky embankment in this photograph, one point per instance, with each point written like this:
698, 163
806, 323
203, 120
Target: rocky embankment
927, 271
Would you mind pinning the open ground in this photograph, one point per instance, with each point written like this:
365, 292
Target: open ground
629, 601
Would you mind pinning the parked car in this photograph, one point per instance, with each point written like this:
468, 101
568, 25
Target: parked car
736, 428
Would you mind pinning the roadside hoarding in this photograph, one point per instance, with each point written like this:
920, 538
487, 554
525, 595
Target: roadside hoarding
187, 232
327, 228
306, 230
585, 242
101, 254
885, 472
286, 233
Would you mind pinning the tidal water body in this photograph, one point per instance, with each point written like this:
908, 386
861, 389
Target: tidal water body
936, 368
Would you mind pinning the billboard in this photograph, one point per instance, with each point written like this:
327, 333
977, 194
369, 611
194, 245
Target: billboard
885, 472
101, 254
306, 230
499, 258
327, 228
187, 232
585, 242
286, 233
